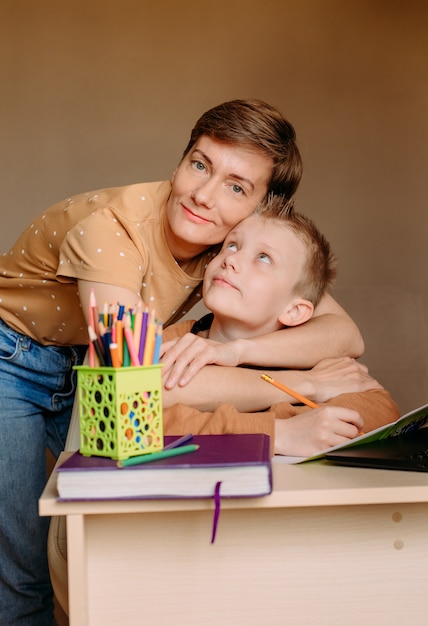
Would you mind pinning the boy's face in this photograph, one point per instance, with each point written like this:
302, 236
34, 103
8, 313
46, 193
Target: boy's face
249, 284
215, 186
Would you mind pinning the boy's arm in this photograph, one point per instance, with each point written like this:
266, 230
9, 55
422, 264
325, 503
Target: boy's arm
329, 333
181, 419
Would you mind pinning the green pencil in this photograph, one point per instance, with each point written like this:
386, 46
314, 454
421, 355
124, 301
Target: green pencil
154, 456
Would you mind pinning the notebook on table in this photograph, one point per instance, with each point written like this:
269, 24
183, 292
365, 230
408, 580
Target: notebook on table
241, 464
407, 423
408, 451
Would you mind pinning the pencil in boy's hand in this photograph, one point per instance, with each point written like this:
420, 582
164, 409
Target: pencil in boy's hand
291, 392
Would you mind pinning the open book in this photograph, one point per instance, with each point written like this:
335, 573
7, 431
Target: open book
405, 424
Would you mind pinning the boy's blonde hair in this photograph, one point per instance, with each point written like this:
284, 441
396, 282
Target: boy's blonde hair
320, 267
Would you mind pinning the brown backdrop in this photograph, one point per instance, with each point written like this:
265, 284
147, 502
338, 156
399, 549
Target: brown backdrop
103, 92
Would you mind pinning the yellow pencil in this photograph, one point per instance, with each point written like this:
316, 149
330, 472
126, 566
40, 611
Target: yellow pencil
290, 392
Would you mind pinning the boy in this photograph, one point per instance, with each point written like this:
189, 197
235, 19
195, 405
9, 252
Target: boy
271, 272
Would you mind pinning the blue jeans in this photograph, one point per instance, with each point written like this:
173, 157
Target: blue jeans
37, 386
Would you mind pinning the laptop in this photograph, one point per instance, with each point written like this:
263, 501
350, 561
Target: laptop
400, 452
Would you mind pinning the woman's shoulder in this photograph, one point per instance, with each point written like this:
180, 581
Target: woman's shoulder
147, 197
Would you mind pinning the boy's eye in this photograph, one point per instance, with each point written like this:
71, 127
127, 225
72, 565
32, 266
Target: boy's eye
264, 257
231, 245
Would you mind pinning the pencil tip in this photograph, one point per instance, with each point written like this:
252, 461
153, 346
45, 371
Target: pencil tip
92, 299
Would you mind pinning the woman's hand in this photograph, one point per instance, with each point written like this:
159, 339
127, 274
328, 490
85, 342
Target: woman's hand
182, 358
331, 377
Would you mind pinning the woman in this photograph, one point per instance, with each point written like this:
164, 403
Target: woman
148, 242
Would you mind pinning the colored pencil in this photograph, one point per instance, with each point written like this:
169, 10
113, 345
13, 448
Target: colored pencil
119, 332
114, 354
129, 337
138, 320
158, 343
136, 335
91, 312
106, 342
143, 334
155, 456
150, 340
178, 442
96, 346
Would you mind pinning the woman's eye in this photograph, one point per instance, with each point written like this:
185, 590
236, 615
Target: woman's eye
264, 257
237, 189
199, 165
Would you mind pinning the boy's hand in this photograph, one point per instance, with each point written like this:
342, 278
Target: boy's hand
315, 430
182, 358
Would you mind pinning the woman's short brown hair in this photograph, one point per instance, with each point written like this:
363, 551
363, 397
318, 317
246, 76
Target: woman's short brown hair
258, 124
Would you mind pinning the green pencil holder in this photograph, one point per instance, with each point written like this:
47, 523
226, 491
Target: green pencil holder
120, 410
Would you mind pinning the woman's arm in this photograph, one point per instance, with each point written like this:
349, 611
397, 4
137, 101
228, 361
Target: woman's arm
104, 293
329, 333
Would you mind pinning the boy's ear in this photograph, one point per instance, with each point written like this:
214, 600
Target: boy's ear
298, 312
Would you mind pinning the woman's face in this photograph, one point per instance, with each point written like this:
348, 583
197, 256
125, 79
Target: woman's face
215, 186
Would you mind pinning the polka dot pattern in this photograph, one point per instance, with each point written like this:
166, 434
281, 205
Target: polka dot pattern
112, 236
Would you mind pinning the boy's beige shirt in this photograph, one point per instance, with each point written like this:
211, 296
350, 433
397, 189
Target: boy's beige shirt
376, 407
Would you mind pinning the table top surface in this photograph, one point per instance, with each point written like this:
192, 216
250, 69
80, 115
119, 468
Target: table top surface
317, 483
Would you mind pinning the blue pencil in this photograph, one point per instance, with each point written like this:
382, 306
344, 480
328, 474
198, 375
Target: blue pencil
158, 343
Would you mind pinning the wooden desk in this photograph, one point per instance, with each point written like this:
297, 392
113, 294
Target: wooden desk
330, 546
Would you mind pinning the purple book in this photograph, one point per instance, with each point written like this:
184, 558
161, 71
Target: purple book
235, 465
